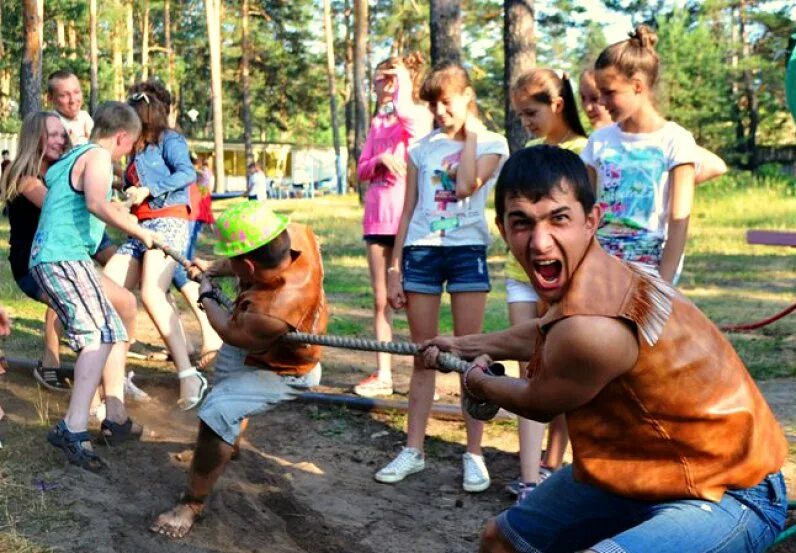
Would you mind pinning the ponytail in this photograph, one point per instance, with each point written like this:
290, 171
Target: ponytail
543, 85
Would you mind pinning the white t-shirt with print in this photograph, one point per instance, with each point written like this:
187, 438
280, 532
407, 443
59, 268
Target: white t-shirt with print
79, 129
439, 218
633, 186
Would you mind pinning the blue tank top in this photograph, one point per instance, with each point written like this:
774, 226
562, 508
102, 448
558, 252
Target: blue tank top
67, 231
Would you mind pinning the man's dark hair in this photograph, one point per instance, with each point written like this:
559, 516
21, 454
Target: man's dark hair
272, 254
59, 75
533, 173
5, 153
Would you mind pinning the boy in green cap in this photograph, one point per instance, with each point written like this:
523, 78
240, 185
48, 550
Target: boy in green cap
279, 268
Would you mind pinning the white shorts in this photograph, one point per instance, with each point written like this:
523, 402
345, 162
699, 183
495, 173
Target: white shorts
518, 292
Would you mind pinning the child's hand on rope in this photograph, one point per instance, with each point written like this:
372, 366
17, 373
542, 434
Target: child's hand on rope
149, 238
137, 194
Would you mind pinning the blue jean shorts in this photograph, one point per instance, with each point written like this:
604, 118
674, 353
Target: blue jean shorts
240, 391
174, 231
459, 268
563, 515
180, 278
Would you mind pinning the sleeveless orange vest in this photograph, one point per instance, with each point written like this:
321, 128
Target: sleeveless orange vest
687, 421
295, 297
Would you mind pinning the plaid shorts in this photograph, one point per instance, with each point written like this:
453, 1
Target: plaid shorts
174, 230
73, 290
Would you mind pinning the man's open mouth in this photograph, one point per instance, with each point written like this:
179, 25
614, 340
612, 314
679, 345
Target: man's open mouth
548, 271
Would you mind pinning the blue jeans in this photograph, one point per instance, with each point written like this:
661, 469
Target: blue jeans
180, 278
459, 268
563, 515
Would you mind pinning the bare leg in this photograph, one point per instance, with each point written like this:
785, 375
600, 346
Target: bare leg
210, 339
113, 374
52, 340
422, 313
557, 442
492, 541
156, 278
530, 432
210, 457
378, 258
88, 370
468, 318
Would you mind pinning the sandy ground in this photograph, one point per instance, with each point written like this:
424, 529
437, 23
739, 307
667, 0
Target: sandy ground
303, 483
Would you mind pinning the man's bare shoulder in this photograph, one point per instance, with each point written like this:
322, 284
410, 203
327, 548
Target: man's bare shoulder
590, 341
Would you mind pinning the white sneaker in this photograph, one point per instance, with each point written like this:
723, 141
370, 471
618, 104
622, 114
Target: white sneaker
476, 477
408, 461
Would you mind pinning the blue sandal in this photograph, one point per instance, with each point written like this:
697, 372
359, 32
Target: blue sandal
113, 433
71, 443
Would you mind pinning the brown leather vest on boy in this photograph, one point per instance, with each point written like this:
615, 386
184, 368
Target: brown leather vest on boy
687, 421
296, 298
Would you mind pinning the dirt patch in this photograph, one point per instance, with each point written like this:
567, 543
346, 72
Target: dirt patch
303, 483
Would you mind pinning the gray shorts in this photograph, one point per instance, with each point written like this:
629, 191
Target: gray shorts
240, 391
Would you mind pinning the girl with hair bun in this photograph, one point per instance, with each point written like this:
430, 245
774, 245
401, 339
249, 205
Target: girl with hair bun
400, 120
641, 165
545, 103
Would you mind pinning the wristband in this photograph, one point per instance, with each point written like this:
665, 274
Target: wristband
209, 294
464, 382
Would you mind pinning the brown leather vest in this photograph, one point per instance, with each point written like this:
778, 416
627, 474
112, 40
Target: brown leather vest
296, 298
687, 421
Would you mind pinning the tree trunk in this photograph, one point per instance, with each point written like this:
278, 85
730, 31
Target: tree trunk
5, 75
361, 118
519, 49
130, 42
749, 93
71, 39
60, 36
327, 26
245, 83
30, 69
170, 82
93, 55
348, 93
446, 31
213, 12
145, 42
118, 65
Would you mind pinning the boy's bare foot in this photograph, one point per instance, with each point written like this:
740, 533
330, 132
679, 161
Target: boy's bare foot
177, 522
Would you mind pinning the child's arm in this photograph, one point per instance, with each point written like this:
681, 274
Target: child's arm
682, 199
368, 159
473, 172
176, 156
395, 290
416, 119
710, 166
95, 184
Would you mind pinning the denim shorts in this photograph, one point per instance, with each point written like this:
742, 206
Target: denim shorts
563, 515
240, 391
180, 278
459, 268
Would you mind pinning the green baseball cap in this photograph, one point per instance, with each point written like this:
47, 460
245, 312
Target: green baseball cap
246, 226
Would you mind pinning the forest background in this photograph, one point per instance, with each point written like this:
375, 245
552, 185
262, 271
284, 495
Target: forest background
266, 63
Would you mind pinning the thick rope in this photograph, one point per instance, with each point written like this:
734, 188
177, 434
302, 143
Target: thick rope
445, 360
